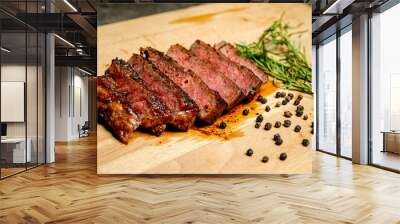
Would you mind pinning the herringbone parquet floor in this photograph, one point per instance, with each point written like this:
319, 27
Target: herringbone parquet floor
69, 191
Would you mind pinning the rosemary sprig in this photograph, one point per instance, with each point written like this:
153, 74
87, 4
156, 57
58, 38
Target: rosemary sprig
276, 54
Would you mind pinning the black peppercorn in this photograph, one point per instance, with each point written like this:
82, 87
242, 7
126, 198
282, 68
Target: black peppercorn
265, 159
299, 97
222, 125
267, 108
257, 125
276, 136
261, 99
296, 102
287, 114
277, 94
283, 156
290, 95
268, 126
312, 131
305, 142
299, 113
312, 124
287, 123
259, 118
297, 128
283, 94
277, 104
305, 117
246, 112
284, 102
300, 108
278, 124
249, 152
279, 141
287, 98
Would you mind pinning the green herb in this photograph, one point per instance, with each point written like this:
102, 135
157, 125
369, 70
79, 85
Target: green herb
276, 54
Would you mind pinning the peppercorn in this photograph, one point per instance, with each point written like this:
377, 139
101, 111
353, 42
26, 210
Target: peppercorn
267, 108
296, 102
265, 159
291, 95
305, 142
287, 114
277, 104
276, 137
300, 108
279, 141
297, 128
287, 123
283, 94
284, 102
312, 131
299, 97
277, 94
299, 113
312, 124
305, 117
261, 99
260, 118
222, 125
278, 124
246, 112
283, 156
249, 152
257, 125
287, 98
268, 126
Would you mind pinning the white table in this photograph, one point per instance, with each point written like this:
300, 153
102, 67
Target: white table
18, 149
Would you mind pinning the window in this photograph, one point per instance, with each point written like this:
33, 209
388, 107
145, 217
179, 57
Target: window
327, 96
385, 88
346, 93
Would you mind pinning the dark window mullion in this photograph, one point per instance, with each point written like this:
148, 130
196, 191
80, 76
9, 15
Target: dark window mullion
26, 87
338, 98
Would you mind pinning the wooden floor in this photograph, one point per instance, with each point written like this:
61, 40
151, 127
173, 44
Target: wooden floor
69, 191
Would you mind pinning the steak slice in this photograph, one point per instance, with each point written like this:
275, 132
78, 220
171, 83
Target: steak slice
242, 76
183, 108
112, 113
152, 112
209, 101
230, 52
227, 89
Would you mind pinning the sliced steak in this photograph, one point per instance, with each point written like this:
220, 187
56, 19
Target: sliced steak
183, 108
112, 113
209, 101
227, 89
230, 52
151, 111
242, 76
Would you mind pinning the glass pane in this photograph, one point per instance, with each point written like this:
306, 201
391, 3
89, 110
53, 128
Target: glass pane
13, 85
327, 96
41, 99
346, 94
31, 98
385, 86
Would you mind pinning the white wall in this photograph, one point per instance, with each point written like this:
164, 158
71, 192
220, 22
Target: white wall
70, 83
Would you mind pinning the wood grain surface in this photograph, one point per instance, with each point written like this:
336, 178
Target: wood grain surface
70, 192
208, 150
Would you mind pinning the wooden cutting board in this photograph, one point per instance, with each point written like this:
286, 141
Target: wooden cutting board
208, 150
